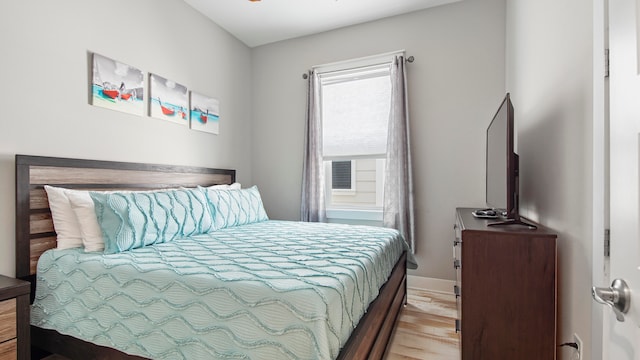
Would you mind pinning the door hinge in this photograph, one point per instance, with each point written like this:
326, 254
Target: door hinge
607, 242
606, 63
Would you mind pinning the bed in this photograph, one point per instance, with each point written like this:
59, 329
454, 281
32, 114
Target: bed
366, 337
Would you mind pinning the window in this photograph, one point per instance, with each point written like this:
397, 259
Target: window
342, 175
355, 105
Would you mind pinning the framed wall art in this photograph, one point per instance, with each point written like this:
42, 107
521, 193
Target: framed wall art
117, 86
205, 113
168, 100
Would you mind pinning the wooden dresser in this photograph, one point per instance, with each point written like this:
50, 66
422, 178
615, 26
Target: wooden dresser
14, 319
505, 289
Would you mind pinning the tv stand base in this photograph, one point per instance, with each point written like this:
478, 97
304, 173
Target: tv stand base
517, 221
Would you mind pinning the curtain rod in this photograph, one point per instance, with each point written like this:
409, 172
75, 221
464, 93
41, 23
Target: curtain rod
408, 59
360, 59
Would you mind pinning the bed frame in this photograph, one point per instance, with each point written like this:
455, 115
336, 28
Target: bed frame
35, 235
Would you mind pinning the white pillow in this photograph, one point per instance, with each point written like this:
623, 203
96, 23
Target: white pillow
85, 213
234, 186
74, 219
65, 222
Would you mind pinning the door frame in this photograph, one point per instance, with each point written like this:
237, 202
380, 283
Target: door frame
600, 199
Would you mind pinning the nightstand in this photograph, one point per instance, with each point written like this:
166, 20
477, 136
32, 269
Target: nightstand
14, 319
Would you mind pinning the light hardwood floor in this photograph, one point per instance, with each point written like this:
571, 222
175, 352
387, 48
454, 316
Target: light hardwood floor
425, 330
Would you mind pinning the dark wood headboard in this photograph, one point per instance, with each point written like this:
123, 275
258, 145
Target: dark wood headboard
34, 226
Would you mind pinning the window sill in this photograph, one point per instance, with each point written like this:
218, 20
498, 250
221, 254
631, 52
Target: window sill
355, 214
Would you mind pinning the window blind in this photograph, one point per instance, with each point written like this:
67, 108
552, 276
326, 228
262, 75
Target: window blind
355, 112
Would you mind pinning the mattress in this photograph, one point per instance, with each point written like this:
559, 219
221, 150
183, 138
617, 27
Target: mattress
267, 290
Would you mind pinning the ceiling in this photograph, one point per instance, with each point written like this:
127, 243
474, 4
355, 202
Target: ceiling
262, 22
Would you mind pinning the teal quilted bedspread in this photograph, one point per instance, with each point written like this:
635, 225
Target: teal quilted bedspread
267, 290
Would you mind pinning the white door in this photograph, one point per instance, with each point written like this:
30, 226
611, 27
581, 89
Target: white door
624, 336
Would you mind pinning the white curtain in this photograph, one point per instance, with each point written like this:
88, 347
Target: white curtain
312, 207
398, 187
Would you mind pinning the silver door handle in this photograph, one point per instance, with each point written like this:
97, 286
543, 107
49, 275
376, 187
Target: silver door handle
618, 297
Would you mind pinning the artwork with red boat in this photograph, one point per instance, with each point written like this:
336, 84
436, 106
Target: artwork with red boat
205, 113
168, 100
117, 86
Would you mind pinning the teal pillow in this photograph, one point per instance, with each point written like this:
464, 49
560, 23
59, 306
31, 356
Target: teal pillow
130, 220
235, 207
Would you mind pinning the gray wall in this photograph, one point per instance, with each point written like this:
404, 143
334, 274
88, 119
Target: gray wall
45, 85
456, 84
550, 74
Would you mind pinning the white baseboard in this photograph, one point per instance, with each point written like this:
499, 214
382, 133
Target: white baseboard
433, 284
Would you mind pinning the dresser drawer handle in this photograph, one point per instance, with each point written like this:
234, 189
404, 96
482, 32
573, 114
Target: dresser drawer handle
456, 264
456, 291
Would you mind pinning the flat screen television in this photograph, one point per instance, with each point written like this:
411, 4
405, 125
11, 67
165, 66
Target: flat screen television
502, 169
